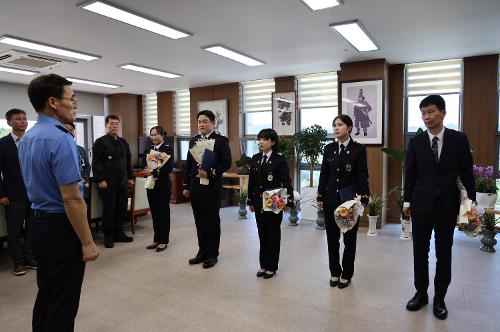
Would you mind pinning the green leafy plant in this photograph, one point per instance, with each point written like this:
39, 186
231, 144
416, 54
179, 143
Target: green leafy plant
488, 220
399, 155
375, 204
286, 147
485, 179
242, 196
243, 164
309, 143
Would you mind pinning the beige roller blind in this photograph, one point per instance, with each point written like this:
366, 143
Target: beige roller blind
436, 77
150, 112
318, 90
257, 95
182, 110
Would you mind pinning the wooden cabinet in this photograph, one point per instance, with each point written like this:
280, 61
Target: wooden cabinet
177, 178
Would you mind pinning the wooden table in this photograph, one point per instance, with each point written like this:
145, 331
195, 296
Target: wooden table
242, 181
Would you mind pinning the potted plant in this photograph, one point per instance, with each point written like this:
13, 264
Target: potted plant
309, 144
243, 164
374, 207
242, 197
286, 147
488, 223
293, 217
486, 188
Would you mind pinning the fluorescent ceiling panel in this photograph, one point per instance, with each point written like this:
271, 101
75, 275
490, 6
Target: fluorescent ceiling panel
151, 71
322, 4
356, 35
17, 71
10, 40
127, 16
101, 84
233, 55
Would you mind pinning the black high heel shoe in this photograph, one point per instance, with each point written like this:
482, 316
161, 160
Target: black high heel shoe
152, 246
161, 247
344, 284
268, 275
260, 273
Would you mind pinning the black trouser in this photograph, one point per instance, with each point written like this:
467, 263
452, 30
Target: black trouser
207, 220
443, 222
59, 275
17, 215
333, 232
159, 204
114, 206
269, 227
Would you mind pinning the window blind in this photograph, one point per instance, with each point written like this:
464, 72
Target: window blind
435, 77
182, 118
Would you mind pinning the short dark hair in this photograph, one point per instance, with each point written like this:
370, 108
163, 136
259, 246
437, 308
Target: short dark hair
271, 135
43, 87
208, 114
436, 100
15, 111
159, 129
345, 119
111, 117
72, 124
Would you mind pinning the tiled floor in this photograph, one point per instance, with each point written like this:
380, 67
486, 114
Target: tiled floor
130, 288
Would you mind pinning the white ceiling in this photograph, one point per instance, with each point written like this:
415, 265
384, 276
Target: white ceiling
285, 34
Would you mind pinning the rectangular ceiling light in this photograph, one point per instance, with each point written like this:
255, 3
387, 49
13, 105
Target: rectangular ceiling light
322, 4
46, 48
103, 85
233, 55
17, 71
126, 16
151, 71
356, 35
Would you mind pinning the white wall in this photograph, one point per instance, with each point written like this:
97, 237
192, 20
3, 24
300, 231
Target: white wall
16, 96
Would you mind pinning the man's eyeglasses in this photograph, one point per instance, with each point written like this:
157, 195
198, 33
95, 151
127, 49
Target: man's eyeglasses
73, 100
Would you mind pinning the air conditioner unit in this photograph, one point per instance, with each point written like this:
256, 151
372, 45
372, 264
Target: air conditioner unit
30, 61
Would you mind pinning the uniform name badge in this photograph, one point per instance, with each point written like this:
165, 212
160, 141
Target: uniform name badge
348, 167
269, 177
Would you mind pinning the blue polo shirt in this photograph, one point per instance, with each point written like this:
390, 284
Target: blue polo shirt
49, 159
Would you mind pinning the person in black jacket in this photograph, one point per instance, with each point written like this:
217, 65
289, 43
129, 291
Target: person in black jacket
435, 159
344, 167
13, 195
84, 160
159, 196
206, 199
113, 172
268, 170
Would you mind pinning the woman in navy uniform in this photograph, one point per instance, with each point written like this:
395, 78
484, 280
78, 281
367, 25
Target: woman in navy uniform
268, 170
159, 196
344, 168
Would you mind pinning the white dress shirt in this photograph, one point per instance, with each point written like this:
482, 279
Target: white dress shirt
346, 142
15, 138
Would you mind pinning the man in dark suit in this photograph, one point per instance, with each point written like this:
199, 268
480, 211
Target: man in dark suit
13, 195
206, 198
435, 160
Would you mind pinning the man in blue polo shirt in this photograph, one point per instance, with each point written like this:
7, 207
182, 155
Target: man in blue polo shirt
62, 241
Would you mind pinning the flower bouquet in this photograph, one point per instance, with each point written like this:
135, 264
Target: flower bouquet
154, 160
469, 221
347, 214
198, 151
274, 200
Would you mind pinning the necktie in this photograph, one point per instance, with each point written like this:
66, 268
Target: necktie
17, 142
434, 148
342, 150
264, 161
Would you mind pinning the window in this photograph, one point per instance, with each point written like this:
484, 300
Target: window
182, 121
256, 100
149, 112
436, 77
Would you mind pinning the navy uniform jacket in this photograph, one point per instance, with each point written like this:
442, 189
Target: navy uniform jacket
11, 181
338, 174
426, 179
162, 175
111, 161
85, 163
221, 164
274, 174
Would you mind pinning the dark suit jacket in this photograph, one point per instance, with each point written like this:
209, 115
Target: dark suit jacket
426, 179
11, 181
162, 175
274, 174
221, 163
338, 174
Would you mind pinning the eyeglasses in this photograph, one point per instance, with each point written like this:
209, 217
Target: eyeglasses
73, 100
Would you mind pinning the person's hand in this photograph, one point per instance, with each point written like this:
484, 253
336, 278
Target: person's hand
320, 205
90, 252
202, 173
185, 193
4, 201
407, 212
252, 208
103, 185
131, 182
148, 171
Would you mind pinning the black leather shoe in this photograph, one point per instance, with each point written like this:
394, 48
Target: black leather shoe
439, 309
268, 275
334, 283
108, 243
152, 246
417, 302
260, 273
210, 262
344, 284
123, 238
197, 260
31, 264
161, 247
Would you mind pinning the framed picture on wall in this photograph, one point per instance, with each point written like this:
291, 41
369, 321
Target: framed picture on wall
363, 102
219, 107
284, 112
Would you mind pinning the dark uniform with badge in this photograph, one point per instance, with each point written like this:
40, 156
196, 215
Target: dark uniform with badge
267, 173
111, 163
159, 196
49, 160
342, 167
206, 199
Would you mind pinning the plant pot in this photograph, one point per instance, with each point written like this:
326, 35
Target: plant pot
320, 219
243, 211
486, 200
243, 170
405, 229
372, 226
293, 217
488, 241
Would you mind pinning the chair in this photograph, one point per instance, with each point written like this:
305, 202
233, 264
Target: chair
138, 203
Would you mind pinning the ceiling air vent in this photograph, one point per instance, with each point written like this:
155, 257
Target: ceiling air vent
30, 61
